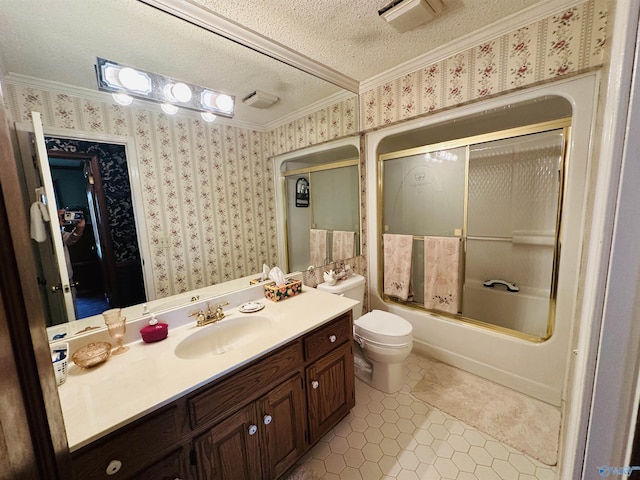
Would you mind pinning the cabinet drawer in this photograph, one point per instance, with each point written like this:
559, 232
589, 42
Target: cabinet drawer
169, 468
130, 449
328, 337
218, 401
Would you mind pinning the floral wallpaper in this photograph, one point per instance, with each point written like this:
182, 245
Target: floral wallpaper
569, 42
336, 121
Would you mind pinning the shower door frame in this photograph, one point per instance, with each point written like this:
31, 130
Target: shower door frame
563, 124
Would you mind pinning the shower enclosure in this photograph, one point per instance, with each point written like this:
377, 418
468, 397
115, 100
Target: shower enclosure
500, 194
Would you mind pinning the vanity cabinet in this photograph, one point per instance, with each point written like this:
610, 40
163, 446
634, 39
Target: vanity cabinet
261, 440
253, 423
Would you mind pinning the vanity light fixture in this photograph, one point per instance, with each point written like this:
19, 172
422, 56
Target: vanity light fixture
122, 80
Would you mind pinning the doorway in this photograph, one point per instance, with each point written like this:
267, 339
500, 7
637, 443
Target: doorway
107, 266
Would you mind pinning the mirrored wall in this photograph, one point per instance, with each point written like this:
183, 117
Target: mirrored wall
321, 205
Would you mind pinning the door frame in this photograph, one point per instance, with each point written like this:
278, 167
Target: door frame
134, 181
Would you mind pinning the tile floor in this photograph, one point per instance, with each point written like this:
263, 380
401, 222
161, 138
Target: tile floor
393, 436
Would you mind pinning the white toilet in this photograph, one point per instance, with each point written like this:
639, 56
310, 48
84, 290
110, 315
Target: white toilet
385, 338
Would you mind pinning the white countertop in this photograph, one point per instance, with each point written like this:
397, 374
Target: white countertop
149, 375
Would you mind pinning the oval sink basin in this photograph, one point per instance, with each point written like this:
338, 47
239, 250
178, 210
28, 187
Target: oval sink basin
218, 338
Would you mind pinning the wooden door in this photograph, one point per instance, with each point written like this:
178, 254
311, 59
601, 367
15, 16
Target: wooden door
330, 390
231, 449
283, 423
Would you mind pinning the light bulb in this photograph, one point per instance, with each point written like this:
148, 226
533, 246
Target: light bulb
122, 98
169, 108
134, 80
181, 92
207, 116
224, 103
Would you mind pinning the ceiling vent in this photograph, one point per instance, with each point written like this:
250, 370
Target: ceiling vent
405, 15
260, 99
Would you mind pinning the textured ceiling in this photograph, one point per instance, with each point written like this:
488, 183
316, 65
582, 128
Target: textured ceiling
60, 40
350, 36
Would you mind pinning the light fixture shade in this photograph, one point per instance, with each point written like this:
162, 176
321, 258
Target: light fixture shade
116, 78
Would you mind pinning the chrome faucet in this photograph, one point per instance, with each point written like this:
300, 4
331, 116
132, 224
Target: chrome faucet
209, 315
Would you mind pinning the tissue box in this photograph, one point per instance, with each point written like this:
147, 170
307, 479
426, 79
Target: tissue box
277, 293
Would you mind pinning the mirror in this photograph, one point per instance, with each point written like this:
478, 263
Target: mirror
205, 209
320, 191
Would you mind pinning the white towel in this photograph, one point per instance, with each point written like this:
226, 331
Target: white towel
39, 215
442, 273
397, 265
343, 245
318, 247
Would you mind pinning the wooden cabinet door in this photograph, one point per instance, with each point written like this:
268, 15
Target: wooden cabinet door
283, 424
231, 449
330, 390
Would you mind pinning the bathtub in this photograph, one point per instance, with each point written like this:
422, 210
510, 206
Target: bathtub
526, 311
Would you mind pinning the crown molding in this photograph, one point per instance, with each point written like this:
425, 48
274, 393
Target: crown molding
503, 26
220, 25
309, 109
98, 96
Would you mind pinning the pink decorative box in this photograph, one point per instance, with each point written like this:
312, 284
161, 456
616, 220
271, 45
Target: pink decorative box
276, 293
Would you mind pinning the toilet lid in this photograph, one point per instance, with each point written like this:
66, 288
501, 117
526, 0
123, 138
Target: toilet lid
384, 327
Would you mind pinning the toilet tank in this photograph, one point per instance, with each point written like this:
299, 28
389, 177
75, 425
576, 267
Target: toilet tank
351, 287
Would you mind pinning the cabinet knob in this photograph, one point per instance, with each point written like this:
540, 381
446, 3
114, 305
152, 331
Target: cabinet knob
315, 384
332, 338
267, 419
114, 467
253, 429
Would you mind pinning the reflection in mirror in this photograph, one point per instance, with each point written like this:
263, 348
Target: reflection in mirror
464, 202
205, 206
321, 190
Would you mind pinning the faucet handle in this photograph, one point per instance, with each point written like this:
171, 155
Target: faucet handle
219, 312
199, 314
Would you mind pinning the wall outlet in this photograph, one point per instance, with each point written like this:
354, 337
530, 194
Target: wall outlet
164, 242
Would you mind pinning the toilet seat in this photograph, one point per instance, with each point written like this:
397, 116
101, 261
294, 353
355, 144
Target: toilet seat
383, 329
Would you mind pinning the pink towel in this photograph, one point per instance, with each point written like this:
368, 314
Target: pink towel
343, 245
442, 273
318, 247
397, 265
